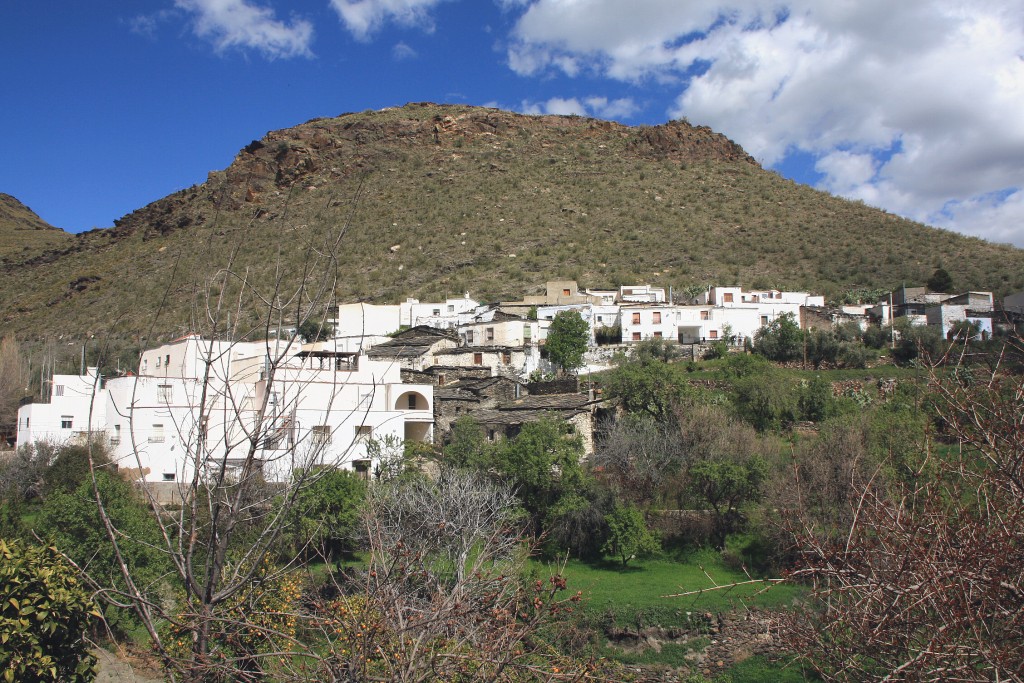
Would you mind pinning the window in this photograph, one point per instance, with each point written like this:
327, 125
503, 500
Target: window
58, 389
600, 319
412, 402
115, 438
489, 332
145, 364
527, 332
491, 434
165, 393
437, 311
566, 292
705, 315
363, 433
320, 435
727, 297
636, 336
168, 476
65, 421
636, 318
274, 440
506, 357
657, 318
157, 435
167, 361
469, 336
478, 359
451, 308
714, 334
764, 320
158, 361
657, 335
441, 380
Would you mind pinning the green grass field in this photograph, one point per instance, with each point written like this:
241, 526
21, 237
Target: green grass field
635, 594
633, 597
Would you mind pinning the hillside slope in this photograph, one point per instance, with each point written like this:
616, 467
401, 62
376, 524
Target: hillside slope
23, 234
427, 200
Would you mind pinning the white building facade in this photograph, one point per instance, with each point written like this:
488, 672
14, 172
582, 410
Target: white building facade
212, 405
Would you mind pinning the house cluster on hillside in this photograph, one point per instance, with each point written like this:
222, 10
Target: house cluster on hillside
406, 372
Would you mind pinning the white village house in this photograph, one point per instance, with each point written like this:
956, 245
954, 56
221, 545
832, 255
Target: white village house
203, 403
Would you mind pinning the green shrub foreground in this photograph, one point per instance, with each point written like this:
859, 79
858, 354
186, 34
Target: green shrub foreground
44, 613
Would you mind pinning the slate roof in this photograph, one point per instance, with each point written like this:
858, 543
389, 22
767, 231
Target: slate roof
551, 402
412, 343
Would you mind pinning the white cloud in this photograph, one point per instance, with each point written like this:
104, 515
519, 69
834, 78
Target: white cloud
364, 17
401, 52
241, 24
622, 108
914, 106
995, 217
589, 106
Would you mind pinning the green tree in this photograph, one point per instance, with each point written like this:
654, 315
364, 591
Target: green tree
628, 535
467, 447
648, 386
781, 340
940, 281
739, 365
542, 464
853, 355
45, 612
326, 513
567, 340
725, 485
70, 467
310, 330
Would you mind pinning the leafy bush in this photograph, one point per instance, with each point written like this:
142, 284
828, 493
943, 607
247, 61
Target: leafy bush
781, 340
853, 355
44, 614
72, 521
877, 337
767, 400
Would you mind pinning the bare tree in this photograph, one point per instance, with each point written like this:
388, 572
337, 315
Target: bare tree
14, 381
642, 457
214, 618
926, 583
443, 597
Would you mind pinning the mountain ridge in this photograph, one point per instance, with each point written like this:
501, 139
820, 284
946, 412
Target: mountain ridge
426, 200
23, 233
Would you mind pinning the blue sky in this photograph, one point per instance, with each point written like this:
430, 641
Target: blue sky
915, 107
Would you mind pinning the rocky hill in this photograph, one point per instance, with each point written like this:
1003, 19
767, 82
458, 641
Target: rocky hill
23, 234
431, 200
